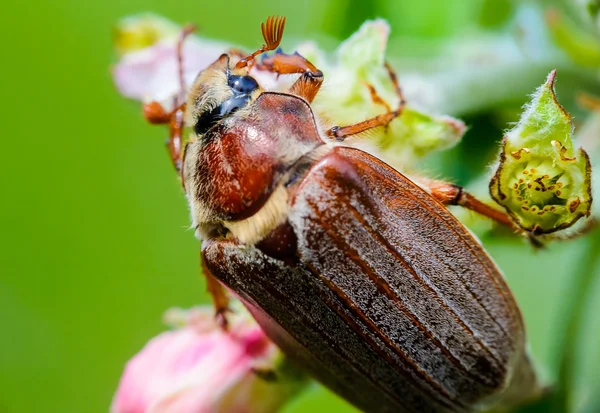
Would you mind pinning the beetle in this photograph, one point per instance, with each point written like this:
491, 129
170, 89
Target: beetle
358, 274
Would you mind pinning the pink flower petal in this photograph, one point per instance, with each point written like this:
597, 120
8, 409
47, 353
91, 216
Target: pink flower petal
152, 73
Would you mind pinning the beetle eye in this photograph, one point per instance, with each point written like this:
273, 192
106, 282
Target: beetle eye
208, 119
242, 84
233, 104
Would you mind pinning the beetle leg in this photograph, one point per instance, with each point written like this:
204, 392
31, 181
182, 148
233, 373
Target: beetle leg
376, 98
187, 30
340, 133
218, 294
156, 114
394, 78
307, 85
450, 194
174, 143
239, 54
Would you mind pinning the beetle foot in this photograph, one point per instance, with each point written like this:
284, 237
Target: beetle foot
221, 318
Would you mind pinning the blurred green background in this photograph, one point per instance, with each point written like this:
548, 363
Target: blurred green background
95, 244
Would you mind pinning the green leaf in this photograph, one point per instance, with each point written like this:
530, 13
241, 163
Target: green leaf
541, 181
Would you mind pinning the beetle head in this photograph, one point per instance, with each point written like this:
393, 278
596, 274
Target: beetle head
223, 88
218, 92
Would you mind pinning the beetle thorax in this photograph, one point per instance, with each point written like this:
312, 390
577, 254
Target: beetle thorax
235, 174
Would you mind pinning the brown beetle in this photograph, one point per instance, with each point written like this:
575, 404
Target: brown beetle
361, 276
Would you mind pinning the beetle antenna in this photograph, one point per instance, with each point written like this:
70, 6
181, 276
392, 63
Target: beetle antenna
187, 30
272, 31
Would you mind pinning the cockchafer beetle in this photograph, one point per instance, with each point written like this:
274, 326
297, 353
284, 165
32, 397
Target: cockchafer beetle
361, 276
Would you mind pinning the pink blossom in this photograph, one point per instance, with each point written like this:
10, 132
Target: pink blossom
151, 73
201, 368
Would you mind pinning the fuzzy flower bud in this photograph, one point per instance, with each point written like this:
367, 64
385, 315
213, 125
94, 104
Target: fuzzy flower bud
201, 368
542, 181
358, 69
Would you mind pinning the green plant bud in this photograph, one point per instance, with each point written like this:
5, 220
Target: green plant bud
544, 184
